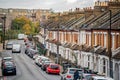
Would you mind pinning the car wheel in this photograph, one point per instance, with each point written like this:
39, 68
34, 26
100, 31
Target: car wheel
19, 51
47, 72
64, 78
3, 73
61, 78
15, 73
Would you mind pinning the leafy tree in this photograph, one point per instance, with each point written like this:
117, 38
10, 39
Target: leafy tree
23, 24
19, 22
27, 29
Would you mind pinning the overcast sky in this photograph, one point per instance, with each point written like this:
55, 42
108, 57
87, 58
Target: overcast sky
55, 5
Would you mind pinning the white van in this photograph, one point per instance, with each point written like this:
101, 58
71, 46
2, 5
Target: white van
21, 36
16, 48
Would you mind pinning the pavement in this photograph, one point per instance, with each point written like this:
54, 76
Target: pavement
1, 49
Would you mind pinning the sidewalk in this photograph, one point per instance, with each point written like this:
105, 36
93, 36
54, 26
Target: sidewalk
1, 49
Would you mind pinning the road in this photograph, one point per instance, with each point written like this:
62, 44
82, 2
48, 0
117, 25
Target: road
26, 68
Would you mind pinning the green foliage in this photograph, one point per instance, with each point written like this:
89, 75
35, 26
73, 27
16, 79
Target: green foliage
25, 25
12, 34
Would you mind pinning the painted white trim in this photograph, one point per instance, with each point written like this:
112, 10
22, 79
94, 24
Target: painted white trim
113, 41
117, 33
105, 40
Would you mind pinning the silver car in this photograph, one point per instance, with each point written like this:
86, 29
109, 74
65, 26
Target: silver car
9, 45
69, 72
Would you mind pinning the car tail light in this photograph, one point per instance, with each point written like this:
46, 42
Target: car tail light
27, 46
4, 66
68, 76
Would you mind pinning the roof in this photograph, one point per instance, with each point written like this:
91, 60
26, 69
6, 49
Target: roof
116, 53
100, 50
103, 21
68, 45
75, 47
86, 48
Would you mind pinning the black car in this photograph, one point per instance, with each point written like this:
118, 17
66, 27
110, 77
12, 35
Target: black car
4, 59
8, 67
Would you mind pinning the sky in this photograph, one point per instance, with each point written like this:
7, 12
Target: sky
55, 5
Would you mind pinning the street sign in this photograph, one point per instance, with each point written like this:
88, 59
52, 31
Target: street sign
1, 27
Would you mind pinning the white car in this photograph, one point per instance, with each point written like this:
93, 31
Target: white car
9, 45
21, 36
69, 72
35, 56
100, 78
16, 48
41, 60
37, 59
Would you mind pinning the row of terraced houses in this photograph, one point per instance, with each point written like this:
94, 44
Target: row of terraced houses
89, 36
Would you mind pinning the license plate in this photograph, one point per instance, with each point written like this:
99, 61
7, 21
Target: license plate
9, 71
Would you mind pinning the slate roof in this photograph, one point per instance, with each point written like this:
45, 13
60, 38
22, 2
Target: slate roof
103, 21
100, 50
116, 53
76, 47
54, 41
67, 45
86, 48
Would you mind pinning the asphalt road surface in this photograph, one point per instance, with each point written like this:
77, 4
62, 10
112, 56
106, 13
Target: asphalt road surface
26, 68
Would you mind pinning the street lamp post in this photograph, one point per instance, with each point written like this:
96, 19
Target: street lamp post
58, 44
109, 45
4, 19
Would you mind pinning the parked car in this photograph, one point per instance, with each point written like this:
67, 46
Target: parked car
100, 78
87, 76
41, 60
45, 64
35, 56
32, 52
16, 48
4, 59
27, 49
8, 67
69, 72
53, 68
21, 36
9, 45
37, 59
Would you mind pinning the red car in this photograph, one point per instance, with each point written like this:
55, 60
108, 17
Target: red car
53, 68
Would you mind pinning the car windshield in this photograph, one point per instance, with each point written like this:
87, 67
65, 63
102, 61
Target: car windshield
73, 70
8, 64
87, 77
54, 66
9, 44
7, 58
